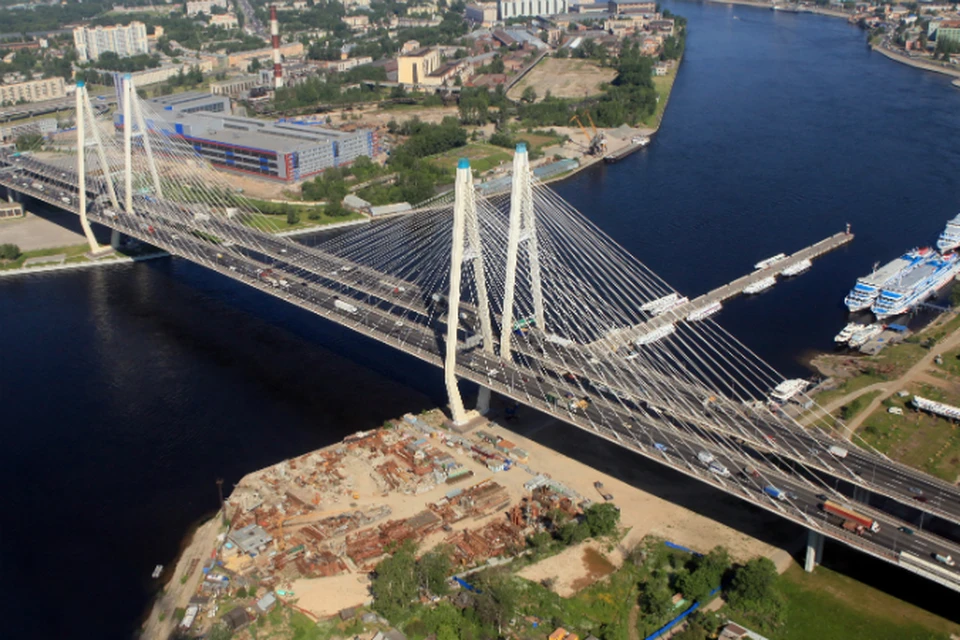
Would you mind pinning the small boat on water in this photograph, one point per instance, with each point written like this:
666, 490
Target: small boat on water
655, 306
157, 570
760, 285
704, 312
657, 334
797, 268
769, 262
860, 337
847, 332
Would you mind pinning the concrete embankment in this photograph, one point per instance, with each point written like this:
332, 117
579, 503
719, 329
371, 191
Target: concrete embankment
918, 64
71, 266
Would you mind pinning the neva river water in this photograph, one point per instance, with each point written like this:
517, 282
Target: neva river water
127, 391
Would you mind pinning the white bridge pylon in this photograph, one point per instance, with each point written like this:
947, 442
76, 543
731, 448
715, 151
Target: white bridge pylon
467, 248
132, 116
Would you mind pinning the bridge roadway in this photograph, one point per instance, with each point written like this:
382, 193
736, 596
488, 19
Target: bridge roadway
886, 478
720, 294
512, 381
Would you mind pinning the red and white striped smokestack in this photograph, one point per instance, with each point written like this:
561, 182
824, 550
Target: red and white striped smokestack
275, 36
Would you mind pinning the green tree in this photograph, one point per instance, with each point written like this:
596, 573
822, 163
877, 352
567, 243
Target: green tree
752, 583
529, 95
29, 142
602, 519
433, 570
395, 583
9, 252
219, 632
445, 621
293, 217
497, 599
656, 600
574, 533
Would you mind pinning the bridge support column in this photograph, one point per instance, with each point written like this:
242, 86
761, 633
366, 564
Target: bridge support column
522, 228
814, 550
464, 192
483, 401
82, 170
115, 239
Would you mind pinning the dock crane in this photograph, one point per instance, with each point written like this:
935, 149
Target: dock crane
597, 144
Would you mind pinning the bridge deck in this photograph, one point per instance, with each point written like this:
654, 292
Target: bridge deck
725, 292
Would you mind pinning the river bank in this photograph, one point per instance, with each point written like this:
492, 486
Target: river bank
916, 63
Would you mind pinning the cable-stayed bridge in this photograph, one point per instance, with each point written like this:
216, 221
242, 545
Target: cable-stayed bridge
523, 295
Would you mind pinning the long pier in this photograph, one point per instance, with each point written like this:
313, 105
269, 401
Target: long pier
727, 291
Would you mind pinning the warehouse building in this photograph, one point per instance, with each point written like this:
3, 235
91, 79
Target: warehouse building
278, 151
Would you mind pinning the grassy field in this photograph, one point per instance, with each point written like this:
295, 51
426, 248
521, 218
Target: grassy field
850, 410
848, 386
828, 605
482, 156
74, 253
663, 85
537, 141
917, 439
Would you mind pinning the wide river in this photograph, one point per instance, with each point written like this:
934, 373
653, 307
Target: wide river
126, 392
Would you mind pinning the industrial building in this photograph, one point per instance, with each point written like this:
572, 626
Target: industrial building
125, 41
285, 152
522, 8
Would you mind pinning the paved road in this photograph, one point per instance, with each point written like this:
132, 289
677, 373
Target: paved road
641, 429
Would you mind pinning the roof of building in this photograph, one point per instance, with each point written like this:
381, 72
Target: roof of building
259, 134
236, 618
250, 538
267, 601
178, 101
387, 209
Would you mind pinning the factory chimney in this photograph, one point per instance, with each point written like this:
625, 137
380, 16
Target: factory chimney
275, 37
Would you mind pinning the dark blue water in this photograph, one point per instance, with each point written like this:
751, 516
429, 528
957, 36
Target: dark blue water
780, 129
126, 392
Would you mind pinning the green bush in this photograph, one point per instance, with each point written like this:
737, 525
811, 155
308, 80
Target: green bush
9, 252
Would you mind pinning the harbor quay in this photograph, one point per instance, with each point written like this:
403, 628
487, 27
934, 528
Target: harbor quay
762, 278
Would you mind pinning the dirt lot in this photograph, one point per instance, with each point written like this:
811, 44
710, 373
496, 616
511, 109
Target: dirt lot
564, 78
55, 229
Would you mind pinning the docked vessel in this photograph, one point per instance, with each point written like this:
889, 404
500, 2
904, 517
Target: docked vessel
676, 302
868, 288
657, 334
636, 143
787, 389
797, 268
860, 337
769, 262
760, 285
950, 238
157, 570
847, 332
654, 306
704, 312
916, 286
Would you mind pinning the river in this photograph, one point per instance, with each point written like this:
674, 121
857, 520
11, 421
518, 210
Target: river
128, 391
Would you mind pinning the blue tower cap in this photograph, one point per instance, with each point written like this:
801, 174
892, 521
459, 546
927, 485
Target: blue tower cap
128, 76
463, 164
79, 83
521, 147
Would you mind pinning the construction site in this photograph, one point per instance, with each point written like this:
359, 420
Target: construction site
336, 512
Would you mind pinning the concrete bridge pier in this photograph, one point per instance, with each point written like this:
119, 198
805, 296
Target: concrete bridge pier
814, 550
115, 239
483, 401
